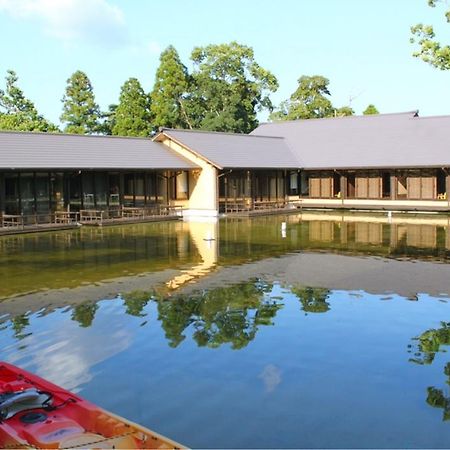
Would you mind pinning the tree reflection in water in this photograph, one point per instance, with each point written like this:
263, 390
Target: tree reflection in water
313, 300
84, 313
136, 301
219, 316
428, 344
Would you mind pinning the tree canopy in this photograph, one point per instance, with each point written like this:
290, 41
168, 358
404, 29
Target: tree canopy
81, 114
228, 88
170, 92
132, 116
311, 100
370, 110
17, 112
431, 50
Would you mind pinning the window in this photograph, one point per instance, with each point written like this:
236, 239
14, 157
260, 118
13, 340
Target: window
441, 189
293, 183
304, 184
386, 184
182, 186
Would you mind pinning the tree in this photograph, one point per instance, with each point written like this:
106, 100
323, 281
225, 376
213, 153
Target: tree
344, 111
228, 88
371, 109
108, 120
430, 50
309, 101
80, 112
17, 112
169, 93
132, 115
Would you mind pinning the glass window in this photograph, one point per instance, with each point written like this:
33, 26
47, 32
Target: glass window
293, 183
114, 189
101, 188
12, 193
88, 190
42, 193
27, 193
57, 191
139, 190
304, 184
182, 186
75, 191
128, 195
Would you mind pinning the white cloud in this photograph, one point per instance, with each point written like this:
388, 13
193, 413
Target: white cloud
271, 376
94, 21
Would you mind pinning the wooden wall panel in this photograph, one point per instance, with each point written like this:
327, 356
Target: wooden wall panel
325, 187
414, 184
374, 186
361, 187
428, 188
314, 187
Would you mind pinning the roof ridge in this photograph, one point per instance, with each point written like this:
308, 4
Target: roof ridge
359, 116
52, 133
218, 132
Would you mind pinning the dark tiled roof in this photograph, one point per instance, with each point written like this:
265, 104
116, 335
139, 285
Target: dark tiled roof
21, 150
384, 141
232, 150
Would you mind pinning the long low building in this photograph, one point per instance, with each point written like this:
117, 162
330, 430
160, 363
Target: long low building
391, 161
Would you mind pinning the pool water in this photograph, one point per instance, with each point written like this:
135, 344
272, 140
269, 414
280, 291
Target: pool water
255, 363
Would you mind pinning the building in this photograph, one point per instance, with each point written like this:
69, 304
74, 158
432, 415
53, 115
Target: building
391, 161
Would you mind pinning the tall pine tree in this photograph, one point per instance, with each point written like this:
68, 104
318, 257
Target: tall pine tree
170, 91
17, 112
81, 114
132, 116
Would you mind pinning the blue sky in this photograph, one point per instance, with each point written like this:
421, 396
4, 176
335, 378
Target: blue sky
362, 46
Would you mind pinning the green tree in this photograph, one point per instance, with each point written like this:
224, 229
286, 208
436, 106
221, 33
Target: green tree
132, 116
81, 114
170, 91
17, 112
108, 120
344, 111
430, 50
371, 109
309, 101
228, 88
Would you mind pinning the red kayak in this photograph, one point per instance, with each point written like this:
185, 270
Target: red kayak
35, 413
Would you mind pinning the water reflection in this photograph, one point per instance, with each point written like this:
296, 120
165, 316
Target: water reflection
264, 346
313, 300
429, 343
69, 259
84, 313
220, 316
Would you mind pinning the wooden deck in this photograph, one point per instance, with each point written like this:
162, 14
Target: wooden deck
67, 220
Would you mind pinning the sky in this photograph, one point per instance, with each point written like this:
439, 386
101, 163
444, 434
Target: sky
361, 46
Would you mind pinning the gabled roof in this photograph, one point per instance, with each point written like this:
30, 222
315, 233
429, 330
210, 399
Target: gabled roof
21, 150
383, 141
233, 150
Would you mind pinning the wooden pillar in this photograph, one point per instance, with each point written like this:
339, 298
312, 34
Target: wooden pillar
2, 193
343, 186
393, 186
447, 188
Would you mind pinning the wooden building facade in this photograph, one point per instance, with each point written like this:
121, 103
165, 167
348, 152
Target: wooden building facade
404, 184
